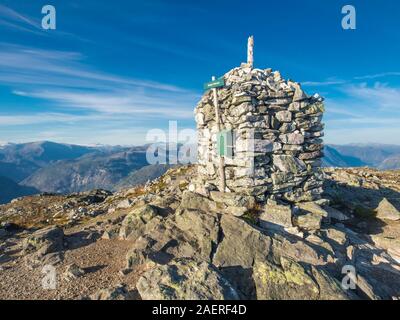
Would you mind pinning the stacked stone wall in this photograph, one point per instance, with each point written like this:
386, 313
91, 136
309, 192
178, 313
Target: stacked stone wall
277, 130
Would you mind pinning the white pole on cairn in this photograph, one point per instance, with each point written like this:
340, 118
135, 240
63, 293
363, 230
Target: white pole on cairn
250, 49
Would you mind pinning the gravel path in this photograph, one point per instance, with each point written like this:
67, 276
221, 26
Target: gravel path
101, 260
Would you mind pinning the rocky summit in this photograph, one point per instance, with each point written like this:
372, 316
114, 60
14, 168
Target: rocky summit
162, 241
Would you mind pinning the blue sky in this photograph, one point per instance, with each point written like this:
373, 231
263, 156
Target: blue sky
113, 70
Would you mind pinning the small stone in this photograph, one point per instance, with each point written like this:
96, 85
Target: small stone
286, 163
336, 235
313, 208
73, 272
292, 138
284, 116
335, 214
308, 221
386, 211
106, 235
276, 215
125, 271
124, 204
118, 292
236, 211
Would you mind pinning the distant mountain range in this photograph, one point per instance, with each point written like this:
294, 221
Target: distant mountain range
380, 156
62, 168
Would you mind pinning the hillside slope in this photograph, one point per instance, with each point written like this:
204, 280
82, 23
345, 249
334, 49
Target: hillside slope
18, 161
92, 171
11, 190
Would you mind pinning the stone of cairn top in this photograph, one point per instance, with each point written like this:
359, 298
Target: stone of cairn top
269, 137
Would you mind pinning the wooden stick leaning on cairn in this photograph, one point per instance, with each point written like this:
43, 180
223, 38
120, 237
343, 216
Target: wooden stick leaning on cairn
221, 158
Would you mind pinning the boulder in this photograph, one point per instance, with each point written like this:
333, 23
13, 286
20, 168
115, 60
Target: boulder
308, 221
118, 292
236, 211
313, 208
335, 214
290, 280
287, 281
386, 211
134, 223
276, 215
45, 241
241, 244
233, 199
337, 236
310, 216
185, 279
190, 233
125, 204
192, 200
235, 255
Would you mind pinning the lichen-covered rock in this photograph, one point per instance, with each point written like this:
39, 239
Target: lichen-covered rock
289, 280
241, 244
192, 200
308, 221
190, 233
233, 199
45, 241
134, 223
313, 208
119, 292
276, 215
185, 279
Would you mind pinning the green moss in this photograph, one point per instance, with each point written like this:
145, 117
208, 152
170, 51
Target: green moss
363, 212
250, 217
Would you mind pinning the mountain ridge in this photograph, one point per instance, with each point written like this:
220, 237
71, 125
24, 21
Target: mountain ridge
64, 168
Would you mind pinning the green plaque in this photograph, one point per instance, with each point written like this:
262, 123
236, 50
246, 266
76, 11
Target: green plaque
225, 143
214, 84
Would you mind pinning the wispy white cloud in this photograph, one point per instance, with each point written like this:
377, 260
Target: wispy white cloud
12, 15
323, 83
378, 75
13, 20
62, 80
147, 105
378, 96
21, 65
46, 117
80, 104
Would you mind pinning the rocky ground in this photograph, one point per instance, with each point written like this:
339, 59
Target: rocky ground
161, 241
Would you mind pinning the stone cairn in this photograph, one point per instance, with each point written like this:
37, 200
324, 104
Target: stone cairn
277, 141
